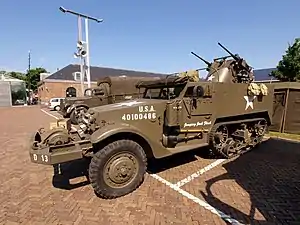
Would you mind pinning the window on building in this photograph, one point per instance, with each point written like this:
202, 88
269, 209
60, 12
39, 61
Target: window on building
71, 92
76, 75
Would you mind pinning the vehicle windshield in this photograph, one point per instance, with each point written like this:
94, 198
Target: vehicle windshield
163, 92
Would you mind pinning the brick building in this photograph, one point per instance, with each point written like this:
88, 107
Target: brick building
66, 81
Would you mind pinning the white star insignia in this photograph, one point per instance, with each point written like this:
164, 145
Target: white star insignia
249, 101
210, 77
128, 103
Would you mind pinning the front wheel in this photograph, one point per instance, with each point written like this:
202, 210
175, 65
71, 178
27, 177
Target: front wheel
118, 169
57, 108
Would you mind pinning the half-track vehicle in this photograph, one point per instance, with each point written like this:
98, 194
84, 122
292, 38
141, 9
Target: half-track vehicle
175, 114
110, 89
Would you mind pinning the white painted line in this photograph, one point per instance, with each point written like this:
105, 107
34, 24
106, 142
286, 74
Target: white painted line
203, 204
199, 172
49, 114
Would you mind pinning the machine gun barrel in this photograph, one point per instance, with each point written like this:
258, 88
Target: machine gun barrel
206, 62
230, 53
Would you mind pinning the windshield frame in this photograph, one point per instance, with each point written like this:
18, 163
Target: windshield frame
168, 92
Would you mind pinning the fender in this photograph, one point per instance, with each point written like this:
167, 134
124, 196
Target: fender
112, 129
72, 107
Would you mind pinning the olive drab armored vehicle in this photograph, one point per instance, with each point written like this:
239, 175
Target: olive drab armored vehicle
109, 90
176, 113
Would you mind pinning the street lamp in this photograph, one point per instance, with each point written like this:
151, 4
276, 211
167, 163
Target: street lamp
83, 46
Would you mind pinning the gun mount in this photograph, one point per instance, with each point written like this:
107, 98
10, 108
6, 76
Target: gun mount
229, 69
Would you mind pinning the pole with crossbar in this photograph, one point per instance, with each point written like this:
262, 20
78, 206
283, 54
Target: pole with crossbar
83, 46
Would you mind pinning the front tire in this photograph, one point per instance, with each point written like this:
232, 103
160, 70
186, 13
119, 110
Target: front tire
57, 108
118, 169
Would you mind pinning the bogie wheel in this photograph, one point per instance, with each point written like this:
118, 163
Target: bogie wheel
260, 131
218, 137
74, 116
117, 169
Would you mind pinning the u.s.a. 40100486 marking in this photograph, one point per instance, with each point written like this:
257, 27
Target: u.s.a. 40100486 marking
139, 116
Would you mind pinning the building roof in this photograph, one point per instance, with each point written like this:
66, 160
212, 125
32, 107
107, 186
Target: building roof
263, 74
66, 73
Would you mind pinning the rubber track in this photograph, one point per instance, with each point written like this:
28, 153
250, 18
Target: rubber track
217, 125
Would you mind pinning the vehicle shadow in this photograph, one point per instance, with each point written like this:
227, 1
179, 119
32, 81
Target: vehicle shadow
64, 172
270, 175
160, 165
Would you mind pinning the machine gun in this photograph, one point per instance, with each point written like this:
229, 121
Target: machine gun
235, 70
206, 62
239, 61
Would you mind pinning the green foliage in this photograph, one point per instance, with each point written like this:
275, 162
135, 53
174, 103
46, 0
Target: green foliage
33, 77
17, 75
288, 68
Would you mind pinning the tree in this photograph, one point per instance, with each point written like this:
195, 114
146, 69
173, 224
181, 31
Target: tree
17, 75
33, 77
288, 68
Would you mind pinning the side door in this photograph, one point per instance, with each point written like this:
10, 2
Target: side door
198, 107
278, 110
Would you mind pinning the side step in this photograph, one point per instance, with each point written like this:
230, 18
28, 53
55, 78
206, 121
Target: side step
186, 148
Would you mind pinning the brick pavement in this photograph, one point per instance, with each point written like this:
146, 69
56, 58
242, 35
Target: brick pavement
260, 187
27, 195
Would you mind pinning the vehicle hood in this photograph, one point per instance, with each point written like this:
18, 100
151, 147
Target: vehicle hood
76, 99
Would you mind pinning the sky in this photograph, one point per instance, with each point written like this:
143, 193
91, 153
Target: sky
154, 36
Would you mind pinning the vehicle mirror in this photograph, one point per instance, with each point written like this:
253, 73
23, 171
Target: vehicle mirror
198, 91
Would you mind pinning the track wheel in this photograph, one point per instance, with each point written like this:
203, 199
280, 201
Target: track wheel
217, 139
260, 130
117, 169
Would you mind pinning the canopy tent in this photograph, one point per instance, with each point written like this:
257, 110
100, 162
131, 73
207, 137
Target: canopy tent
12, 91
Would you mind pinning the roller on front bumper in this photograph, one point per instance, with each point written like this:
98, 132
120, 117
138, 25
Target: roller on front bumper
57, 146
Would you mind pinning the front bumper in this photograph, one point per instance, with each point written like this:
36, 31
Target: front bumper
44, 156
58, 154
